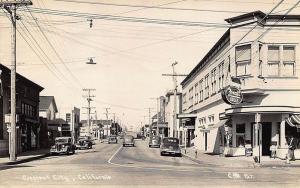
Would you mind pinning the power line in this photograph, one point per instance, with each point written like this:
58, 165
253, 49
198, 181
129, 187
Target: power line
124, 18
53, 48
151, 7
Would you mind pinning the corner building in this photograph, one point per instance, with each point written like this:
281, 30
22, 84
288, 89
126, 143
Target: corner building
266, 63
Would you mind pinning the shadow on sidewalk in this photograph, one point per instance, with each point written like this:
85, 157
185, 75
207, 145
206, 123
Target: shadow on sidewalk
7, 167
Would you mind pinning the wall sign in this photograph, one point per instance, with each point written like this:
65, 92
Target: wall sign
232, 95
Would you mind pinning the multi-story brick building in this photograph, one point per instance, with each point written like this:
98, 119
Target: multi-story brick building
262, 53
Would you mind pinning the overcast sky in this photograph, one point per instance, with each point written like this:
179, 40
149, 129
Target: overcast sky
131, 53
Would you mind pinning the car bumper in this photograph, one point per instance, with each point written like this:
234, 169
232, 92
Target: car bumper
173, 152
154, 145
55, 151
81, 147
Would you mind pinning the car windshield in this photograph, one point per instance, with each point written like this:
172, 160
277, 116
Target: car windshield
170, 141
128, 138
155, 138
61, 140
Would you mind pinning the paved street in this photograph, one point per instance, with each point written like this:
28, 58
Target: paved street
113, 165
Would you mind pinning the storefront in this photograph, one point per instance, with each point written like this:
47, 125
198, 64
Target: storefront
187, 132
257, 130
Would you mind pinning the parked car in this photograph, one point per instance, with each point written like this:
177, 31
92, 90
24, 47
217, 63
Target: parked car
88, 138
170, 145
128, 140
84, 144
112, 139
154, 141
63, 145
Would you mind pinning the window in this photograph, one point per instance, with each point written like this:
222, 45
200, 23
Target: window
213, 81
211, 119
196, 93
288, 68
243, 59
191, 96
201, 90
240, 128
206, 94
273, 60
221, 75
184, 98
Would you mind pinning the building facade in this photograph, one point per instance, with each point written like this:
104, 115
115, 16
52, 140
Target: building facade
259, 57
27, 105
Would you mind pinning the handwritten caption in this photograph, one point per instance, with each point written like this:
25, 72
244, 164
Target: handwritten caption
237, 175
68, 178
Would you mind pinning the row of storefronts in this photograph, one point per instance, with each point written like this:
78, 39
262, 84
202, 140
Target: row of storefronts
243, 96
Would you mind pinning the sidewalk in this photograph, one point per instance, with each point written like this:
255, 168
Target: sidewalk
25, 157
235, 162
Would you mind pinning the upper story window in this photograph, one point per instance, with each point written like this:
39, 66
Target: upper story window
206, 82
211, 119
221, 75
281, 65
184, 98
191, 96
243, 59
201, 90
289, 61
273, 60
213, 81
196, 93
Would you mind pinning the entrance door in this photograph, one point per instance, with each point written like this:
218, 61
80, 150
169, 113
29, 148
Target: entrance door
205, 135
266, 138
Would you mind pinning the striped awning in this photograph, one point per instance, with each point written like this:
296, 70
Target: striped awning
294, 121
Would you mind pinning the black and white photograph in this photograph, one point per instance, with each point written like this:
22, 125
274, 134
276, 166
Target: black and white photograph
149, 93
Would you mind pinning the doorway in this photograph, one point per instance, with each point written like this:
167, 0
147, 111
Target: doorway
205, 137
266, 138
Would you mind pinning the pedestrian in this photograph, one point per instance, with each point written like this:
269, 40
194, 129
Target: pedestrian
292, 147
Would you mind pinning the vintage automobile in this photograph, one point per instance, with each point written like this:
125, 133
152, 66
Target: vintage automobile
170, 145
112, 139
63, 145
128, 140
84, 144
88, 138
154, 141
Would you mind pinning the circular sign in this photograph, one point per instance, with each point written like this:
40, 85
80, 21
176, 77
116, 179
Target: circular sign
232, 95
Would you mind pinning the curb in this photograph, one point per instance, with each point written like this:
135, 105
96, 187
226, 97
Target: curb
29, 159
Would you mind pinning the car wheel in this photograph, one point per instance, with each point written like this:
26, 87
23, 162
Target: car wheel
161, 154
149, 146
123, 145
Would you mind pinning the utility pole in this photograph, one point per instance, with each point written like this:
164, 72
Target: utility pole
106, 110
89, 99
150, 125
174, 75
11, 8
157, 116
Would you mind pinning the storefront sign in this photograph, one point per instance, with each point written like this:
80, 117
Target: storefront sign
232, 95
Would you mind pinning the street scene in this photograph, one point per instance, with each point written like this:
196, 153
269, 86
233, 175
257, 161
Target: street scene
134, 93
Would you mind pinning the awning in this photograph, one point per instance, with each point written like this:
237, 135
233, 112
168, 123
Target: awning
294, 121
186, 115
214, 126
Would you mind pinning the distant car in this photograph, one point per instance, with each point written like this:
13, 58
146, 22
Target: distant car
63, 145
128, 140
154, 141
170, 145
87, 138
84, 144
112, 139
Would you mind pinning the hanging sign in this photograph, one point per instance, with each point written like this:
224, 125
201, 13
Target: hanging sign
232, 95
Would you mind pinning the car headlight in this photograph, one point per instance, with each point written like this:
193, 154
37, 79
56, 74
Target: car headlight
63, 146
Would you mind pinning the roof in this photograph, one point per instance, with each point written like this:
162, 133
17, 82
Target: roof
45, 102
261, 15
221, 42
247, 16
19, 76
